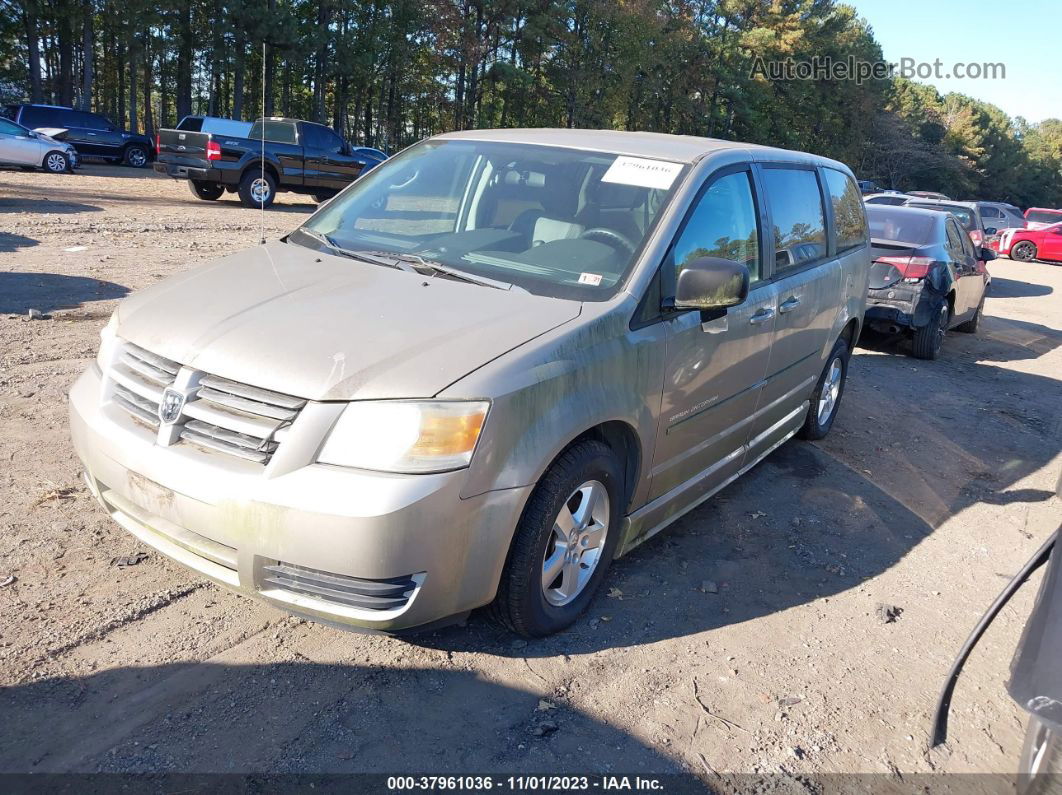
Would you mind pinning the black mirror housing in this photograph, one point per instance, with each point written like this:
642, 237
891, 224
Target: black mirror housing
709, 283
991, 230
987, 254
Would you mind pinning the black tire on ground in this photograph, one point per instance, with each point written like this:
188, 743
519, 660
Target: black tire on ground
970, 326
248, 184
207, 191
56, 163
323, 197
1023, 251
816, 426
136, 156
520, 604
930, 337
1040, 768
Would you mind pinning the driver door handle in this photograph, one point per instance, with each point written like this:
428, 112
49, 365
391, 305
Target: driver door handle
762, 315
789, 305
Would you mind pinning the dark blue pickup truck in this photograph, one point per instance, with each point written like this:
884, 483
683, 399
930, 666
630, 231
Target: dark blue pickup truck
297, 156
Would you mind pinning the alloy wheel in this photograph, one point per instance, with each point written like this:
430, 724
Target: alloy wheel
260, 190
573, 551
55, 163
137, 157
831, 390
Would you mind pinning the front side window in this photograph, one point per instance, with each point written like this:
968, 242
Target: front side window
797, 216
10, 128
562, 222
849, 218
722, 224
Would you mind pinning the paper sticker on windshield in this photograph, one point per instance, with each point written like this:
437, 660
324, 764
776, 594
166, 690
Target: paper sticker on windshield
593, 279
642, 173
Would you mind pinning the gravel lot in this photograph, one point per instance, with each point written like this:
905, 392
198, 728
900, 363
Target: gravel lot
935, 485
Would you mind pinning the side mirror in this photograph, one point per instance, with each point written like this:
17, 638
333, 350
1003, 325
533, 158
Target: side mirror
991, 230
711, 283
986, 254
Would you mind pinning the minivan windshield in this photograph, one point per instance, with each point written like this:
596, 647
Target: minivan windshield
560, 222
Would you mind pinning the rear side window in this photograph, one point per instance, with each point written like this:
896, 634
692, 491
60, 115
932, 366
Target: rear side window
797, 215
41, 117
722, 224
990, 212
849, 218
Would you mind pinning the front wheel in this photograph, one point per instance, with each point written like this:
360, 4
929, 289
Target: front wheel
1041, 759
564, 542
136, 156
207, 191
257, 189
929, 339
1023, 251
827, 395
56, 163
321, 198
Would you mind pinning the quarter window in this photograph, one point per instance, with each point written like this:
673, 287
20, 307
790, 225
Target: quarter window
797, 216
849, 218
722, 224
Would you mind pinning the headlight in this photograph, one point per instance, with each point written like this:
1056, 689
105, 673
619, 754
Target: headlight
407, 436
108, 343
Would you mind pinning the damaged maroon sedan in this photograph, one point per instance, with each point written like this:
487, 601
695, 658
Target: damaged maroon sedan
926, 277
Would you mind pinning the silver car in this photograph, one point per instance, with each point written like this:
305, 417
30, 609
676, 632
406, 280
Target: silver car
497, 362
22, 147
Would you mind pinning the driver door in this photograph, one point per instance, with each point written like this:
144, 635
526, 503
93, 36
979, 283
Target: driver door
17, 146
716, 362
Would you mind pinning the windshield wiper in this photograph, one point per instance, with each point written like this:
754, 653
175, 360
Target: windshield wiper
434, 268
363, 256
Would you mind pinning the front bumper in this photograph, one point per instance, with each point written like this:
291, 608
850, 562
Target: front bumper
315, 540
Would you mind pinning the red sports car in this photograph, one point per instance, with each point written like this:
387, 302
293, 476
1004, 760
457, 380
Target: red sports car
1039, 217
1026, 245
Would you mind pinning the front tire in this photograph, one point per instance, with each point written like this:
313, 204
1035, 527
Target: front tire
929, 339
207, 191
1041, 759
320, 198
829, 389
57, 163
564, 542
1023, 251
257, 189
136, 157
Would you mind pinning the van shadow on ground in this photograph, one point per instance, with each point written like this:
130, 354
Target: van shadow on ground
21, 204
20, 292
11, 242
914, 444
269, 717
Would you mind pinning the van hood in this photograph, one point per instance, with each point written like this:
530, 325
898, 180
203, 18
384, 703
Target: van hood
326, 327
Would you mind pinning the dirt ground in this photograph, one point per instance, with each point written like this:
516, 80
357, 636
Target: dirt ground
934, 487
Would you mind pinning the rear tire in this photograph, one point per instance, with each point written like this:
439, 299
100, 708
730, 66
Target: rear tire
829, 390
1023, 251
136, 156
525, 602
1041, 759
56, 163
320, 198
257, 189
929, 339
207, 191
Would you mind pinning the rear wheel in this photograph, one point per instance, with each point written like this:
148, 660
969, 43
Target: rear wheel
827, 395
1041, 759
56, 163
928, 339
564, 542
322, 197
1023, 251
257, 189
136, 156
207, 191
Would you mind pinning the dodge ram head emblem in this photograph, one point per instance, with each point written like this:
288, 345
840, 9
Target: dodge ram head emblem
170, 406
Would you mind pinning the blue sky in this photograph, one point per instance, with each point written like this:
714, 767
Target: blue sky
1025, 36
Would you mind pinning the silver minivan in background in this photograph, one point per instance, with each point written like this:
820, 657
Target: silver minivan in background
497, 362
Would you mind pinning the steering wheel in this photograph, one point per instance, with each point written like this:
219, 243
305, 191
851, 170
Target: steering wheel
610, 236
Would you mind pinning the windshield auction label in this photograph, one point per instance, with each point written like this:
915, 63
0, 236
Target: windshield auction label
642, 173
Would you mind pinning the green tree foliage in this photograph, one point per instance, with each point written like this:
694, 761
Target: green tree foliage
389, 72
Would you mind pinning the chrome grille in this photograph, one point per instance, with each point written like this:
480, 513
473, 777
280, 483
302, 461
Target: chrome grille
241, 420
220, 415
139, 378
388, 594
